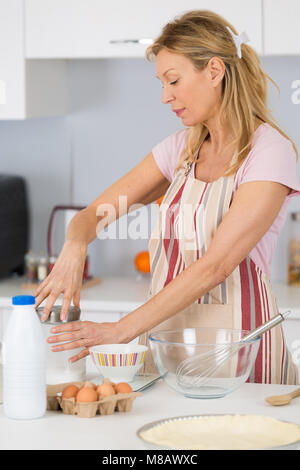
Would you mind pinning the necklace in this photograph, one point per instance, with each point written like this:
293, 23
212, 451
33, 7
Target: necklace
188, 168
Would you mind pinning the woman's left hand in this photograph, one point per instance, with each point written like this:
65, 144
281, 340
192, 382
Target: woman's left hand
83, 334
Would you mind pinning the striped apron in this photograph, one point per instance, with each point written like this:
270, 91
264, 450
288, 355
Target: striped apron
188, 218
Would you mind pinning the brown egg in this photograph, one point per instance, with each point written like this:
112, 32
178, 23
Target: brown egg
70, 391
91, 385
123, 387
86, 394
105, 390
108, 381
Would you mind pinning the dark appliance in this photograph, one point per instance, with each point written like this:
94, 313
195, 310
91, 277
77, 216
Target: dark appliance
14, 224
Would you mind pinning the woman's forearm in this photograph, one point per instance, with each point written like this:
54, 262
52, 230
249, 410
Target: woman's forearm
82, 227
186, 288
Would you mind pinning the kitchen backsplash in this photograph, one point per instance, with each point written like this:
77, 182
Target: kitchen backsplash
116, 118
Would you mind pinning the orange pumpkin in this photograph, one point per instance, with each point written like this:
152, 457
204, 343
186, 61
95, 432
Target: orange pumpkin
142, 262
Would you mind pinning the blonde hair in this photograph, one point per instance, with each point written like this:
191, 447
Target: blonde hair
200, 35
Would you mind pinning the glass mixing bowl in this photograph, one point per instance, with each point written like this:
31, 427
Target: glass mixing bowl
203, 362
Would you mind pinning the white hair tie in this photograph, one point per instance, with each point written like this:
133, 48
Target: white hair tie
239, 39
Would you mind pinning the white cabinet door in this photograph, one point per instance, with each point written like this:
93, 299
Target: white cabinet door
99, 317
5, 313
27, 88
291, 329
281, 20
12, 64
89, 315
85, 28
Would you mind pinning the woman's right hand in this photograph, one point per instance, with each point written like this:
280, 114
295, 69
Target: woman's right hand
65, 277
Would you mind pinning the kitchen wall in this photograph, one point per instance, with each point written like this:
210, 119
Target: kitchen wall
285, 71
116, 117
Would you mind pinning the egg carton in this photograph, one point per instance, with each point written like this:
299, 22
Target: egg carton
104, 406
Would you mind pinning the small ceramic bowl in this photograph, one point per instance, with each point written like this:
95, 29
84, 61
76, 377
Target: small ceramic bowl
118, 362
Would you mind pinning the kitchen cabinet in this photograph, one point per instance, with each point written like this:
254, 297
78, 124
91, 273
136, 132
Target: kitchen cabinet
86, 28
4, 317
37, 36
98, 317
291, 330
288, 298
27, 88
101, 317
281, 32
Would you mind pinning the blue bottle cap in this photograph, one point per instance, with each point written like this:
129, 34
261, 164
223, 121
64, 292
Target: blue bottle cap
23, 300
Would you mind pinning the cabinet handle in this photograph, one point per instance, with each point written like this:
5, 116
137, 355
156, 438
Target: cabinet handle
132, 41
2, 92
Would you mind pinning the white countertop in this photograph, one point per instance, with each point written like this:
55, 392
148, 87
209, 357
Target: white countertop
124, 294
118, 431
115, 294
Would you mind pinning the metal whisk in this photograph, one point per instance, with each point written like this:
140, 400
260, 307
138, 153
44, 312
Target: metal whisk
198, 370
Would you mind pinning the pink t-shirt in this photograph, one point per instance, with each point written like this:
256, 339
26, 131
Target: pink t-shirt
271, 158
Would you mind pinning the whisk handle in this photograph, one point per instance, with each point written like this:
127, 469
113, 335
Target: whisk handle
265, 327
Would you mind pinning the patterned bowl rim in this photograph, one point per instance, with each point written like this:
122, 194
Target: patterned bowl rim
134, 349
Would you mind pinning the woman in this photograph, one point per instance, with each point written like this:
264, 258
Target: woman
227, 178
